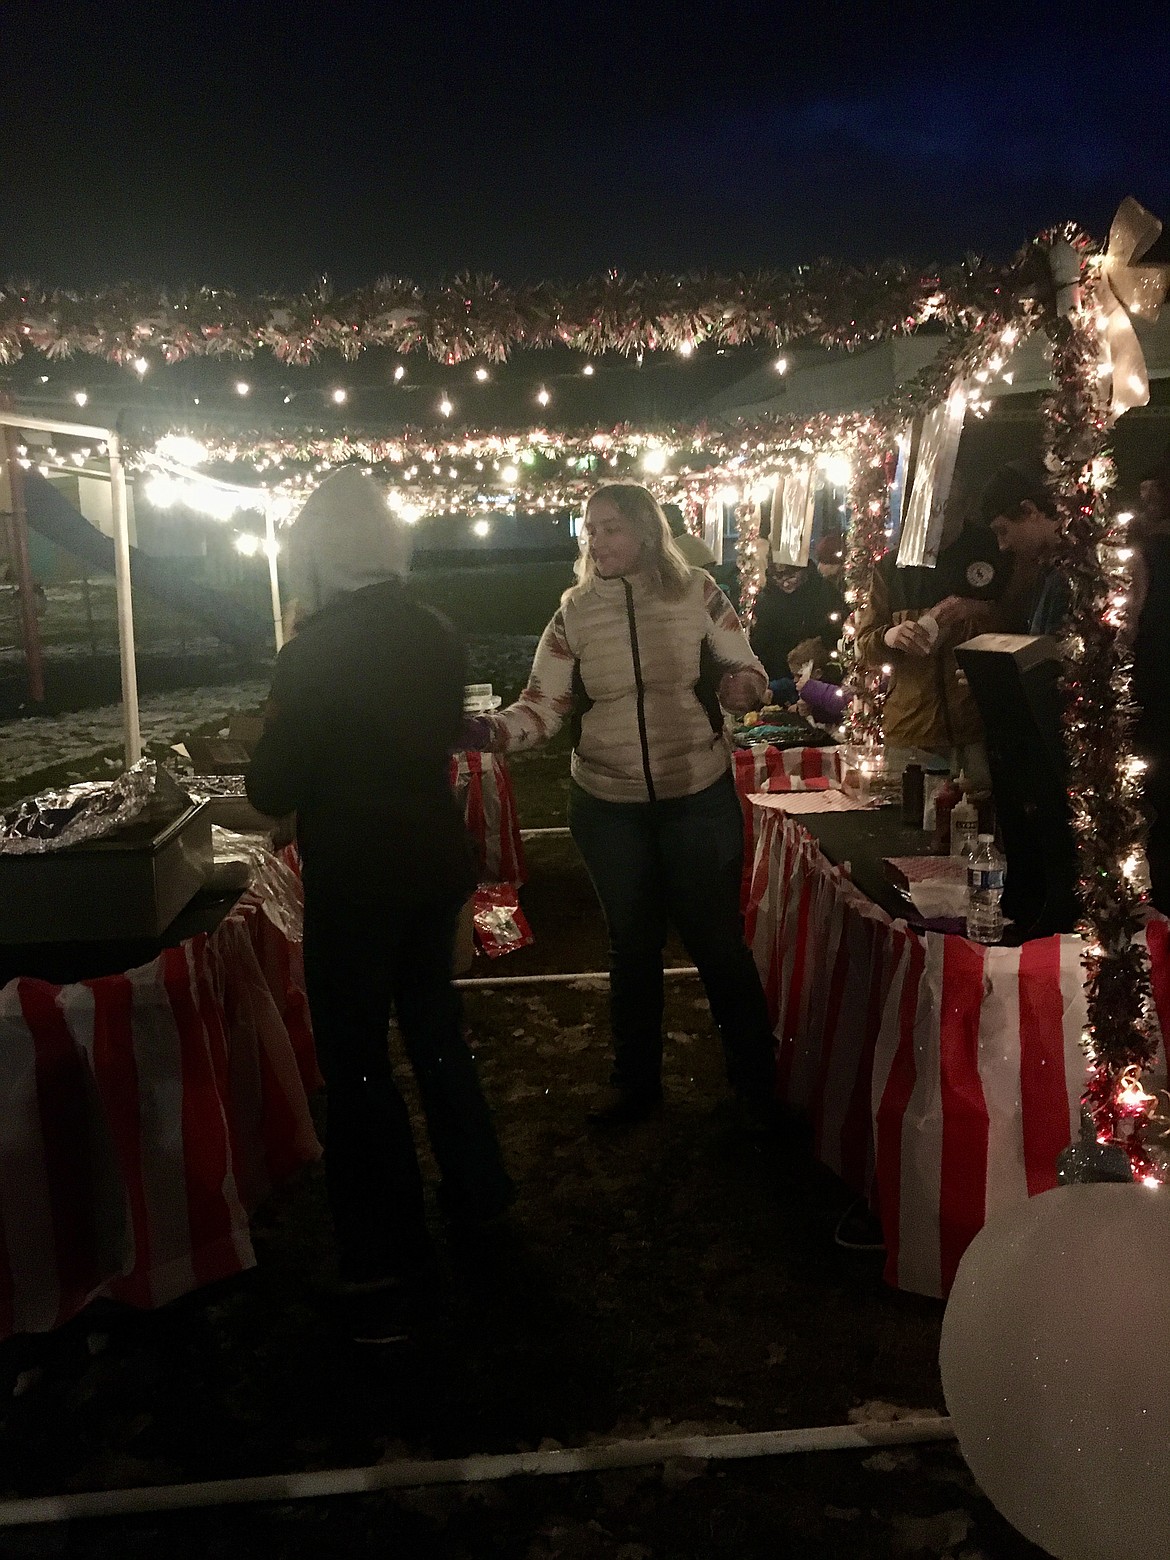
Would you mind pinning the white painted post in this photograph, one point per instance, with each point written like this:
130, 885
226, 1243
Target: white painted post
273, 575
131, 730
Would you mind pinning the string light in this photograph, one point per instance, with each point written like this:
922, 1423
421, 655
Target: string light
399, 372
543, 396
80, 397
242, 387
781, 365
140, 366
482, 528
446, 407
588, 370
340, 396
482, 375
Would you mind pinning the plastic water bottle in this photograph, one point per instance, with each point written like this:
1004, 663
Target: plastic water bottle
985, 868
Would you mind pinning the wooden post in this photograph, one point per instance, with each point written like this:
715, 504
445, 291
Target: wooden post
17, 527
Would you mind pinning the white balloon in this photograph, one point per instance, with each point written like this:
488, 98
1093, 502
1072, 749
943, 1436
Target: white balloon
1055, 1363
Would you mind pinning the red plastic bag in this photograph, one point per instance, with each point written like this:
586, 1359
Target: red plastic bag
500, 924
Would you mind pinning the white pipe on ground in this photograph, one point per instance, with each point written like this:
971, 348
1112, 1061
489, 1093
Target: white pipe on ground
672, 972
410, 1474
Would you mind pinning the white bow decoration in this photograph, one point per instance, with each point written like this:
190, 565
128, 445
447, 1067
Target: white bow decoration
1124, 288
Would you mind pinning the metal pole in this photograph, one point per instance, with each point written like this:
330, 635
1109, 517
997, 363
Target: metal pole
273, 576
130, 727
477, 1469
671, 972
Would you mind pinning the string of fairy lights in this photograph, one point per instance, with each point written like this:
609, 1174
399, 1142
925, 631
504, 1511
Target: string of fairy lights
1062, 283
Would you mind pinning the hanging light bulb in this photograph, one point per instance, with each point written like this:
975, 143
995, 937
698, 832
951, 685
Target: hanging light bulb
140, 366
482, 528
543, 396
242, 387
446, 407
588, 370
340, 396
399, 372
80, 397
481, 374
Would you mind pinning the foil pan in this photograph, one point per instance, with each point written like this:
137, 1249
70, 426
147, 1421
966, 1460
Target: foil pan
274, 883
91, 810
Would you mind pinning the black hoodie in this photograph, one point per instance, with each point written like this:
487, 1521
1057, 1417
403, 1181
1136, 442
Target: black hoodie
366, 704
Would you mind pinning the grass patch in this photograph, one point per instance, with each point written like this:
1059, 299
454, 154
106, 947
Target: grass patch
505, 598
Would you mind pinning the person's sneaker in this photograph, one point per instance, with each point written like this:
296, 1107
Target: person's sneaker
859, 1228
619, 1108
381, 1315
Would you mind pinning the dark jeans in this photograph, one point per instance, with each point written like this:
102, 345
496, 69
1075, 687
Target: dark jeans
358, 964
677, 861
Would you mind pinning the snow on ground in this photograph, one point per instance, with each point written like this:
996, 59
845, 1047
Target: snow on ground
39, 741
33, 744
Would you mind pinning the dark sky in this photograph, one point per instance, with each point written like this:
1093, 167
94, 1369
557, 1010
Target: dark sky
257, 145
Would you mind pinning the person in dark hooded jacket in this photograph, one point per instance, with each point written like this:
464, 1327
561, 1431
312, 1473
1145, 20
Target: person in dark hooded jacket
366, 703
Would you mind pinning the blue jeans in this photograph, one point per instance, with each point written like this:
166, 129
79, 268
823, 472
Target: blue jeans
359, 963
677, 861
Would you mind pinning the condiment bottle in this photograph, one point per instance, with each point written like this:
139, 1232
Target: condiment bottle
964, 820
944, 802
913, 795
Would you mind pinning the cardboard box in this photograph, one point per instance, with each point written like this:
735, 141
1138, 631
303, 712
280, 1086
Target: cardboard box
228, 755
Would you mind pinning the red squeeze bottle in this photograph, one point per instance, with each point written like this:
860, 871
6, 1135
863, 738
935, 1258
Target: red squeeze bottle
948, 794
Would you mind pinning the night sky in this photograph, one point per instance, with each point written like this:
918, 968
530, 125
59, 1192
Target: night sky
258, 145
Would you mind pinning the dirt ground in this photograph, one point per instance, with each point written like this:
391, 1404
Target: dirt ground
672, 1279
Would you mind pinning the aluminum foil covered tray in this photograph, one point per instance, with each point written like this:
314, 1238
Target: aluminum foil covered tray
102, 862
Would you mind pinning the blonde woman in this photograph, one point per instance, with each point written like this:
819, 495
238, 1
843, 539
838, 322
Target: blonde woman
641, 655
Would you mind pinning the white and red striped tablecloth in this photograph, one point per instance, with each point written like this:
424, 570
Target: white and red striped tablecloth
942, 1077
483, 786
765, 768
144, 1114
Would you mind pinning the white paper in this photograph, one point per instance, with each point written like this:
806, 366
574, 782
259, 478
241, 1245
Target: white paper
922, 526
793, 504
810, 801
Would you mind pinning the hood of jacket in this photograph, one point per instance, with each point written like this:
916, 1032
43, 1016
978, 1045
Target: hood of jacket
344, 539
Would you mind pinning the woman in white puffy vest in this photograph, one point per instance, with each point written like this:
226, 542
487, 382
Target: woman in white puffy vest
640, 656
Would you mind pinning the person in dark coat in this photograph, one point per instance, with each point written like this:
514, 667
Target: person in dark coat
1020, 510
795, 604
1150, 635
366, 703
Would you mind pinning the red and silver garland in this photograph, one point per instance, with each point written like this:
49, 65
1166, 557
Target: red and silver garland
1103, 783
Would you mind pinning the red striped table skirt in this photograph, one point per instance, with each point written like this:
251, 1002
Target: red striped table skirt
484, 787
942, 1078
144, 1114
764, 768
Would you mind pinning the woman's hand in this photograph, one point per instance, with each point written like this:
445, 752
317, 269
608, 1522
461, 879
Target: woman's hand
741, 691
910, 638
478, 734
